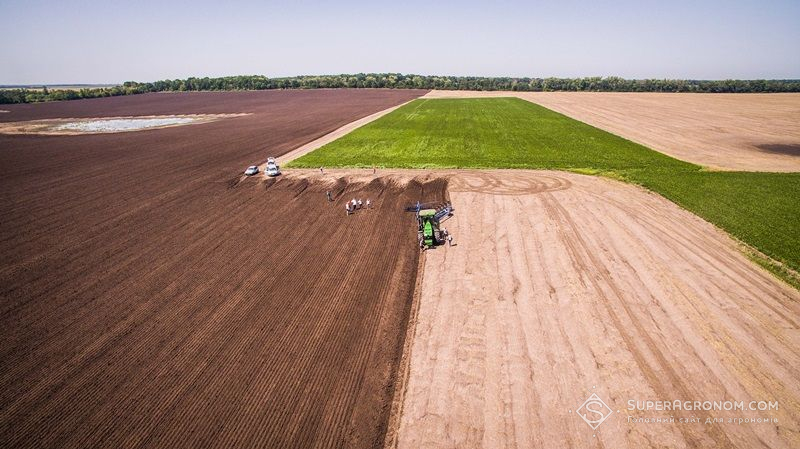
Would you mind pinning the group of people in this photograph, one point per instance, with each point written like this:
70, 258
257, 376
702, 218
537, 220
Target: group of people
352, 206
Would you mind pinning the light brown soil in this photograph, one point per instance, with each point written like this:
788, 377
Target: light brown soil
563, 285
51, 126
750, 132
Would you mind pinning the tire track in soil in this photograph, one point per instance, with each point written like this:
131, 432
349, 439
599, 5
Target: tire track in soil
583, 257
590, 282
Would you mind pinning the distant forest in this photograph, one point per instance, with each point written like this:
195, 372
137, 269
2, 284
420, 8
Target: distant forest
399, 81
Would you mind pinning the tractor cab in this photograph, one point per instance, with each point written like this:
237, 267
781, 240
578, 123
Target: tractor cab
428, 227
429, 217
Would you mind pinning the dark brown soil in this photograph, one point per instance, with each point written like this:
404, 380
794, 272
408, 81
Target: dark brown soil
146, 303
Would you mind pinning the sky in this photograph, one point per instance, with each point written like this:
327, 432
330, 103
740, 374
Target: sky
68, 41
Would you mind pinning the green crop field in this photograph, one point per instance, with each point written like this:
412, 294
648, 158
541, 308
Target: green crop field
483, 133
760, 209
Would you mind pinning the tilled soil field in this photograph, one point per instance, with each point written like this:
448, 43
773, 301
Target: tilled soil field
151, 300
562, 286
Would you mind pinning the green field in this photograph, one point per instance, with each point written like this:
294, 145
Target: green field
761, 209
483, 133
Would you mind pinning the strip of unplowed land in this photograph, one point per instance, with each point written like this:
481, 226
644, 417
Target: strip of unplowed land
747, 132
563, 285
146, 303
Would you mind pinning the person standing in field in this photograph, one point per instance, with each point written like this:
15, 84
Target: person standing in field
360, 203
369, 206
449, 240
347, 208
328, 195
321, 171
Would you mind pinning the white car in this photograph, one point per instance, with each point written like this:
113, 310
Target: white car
273, 170
251, 170
271, 161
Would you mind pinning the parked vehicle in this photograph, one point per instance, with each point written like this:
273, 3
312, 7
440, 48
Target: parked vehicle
273, 170
251, 170
272, 167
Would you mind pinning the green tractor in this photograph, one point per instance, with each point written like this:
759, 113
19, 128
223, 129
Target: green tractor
429, 217
428, 227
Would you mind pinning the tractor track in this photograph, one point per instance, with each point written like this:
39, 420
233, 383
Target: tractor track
564, 285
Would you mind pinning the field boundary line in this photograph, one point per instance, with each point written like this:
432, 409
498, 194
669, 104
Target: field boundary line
326, 138
401, 384
776, 268
333, 135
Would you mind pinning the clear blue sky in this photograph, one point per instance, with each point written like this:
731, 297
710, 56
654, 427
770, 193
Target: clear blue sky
106, 41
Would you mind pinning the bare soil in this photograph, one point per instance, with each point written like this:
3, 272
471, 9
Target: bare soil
563, 285
150, 297
144, 302
720, 131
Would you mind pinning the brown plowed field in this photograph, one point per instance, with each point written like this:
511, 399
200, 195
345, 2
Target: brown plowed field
145, 303
748, 132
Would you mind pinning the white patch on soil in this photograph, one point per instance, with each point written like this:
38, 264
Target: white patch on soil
127, 124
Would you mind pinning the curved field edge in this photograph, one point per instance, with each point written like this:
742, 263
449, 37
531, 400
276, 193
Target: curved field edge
757, 208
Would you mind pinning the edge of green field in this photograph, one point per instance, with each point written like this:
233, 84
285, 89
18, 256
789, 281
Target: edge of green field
759, 209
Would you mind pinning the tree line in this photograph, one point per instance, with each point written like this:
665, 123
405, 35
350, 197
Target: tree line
24, 95
400, 81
